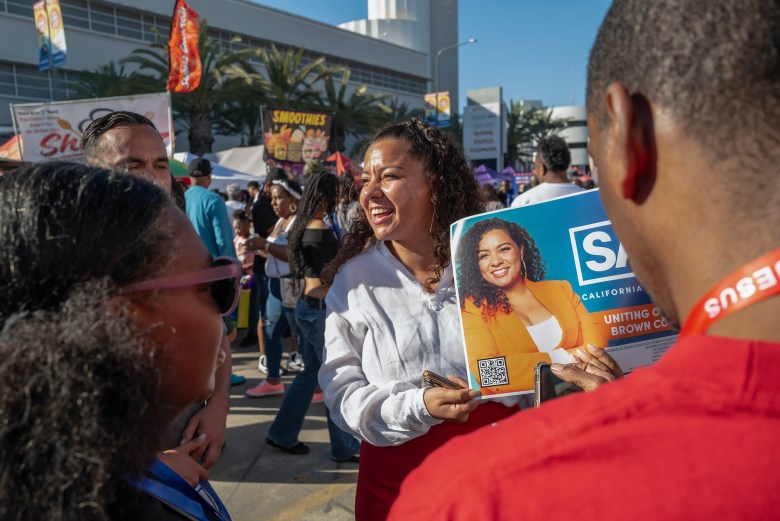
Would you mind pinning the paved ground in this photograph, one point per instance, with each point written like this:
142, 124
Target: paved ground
258, 482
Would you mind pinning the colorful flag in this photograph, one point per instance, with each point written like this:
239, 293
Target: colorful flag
52, 51
184, 67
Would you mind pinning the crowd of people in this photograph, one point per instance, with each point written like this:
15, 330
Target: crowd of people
115, 340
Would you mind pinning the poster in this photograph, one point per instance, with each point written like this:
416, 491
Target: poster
53, 131
536, 281
296, 136
444, 114
52, 50
183, 53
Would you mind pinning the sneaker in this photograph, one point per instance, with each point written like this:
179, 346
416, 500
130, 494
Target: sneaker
236, 379
262, 365
318, 397
295, 362
297, 449
265, 389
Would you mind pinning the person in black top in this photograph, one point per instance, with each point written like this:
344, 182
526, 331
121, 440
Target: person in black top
263, 221
312, 244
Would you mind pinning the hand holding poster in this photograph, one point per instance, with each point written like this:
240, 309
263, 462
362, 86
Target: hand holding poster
537, 282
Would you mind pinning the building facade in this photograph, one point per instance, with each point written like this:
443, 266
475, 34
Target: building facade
576, 132
99, 32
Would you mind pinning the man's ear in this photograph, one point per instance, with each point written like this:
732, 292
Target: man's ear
632, 146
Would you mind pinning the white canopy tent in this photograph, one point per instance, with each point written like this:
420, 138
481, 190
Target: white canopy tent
221, 175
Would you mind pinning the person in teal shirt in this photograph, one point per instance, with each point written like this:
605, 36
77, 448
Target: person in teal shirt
207, 211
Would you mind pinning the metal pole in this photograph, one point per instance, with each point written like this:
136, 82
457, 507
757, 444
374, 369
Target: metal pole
436, 74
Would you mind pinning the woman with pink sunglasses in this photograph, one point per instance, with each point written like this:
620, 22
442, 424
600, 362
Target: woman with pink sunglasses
109, 327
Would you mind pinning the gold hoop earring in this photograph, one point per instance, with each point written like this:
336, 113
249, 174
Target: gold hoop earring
525, 270
293, 207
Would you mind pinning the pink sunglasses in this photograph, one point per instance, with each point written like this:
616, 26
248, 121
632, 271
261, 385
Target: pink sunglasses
224, 276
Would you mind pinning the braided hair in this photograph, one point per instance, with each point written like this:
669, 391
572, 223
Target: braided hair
473, 285
454, 193
321, 188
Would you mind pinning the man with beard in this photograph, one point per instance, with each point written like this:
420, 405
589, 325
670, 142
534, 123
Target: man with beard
130, 142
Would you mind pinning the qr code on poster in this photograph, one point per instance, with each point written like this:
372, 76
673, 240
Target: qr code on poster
492, 371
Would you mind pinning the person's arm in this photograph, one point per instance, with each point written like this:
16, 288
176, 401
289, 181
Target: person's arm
211, 420
481, 345
390, 414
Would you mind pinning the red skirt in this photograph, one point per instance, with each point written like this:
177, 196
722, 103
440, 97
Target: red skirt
383, 469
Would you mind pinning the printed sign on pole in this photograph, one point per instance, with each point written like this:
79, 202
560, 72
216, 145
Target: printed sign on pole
445, 111
53, 131
52, 50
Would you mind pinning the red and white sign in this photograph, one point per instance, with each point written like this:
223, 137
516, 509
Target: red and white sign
53, 131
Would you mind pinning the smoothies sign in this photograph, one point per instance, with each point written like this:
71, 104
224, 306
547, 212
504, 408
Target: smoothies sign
295, 136
52, 131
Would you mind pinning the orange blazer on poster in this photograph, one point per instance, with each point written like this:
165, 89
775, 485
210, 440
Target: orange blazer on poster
505, 334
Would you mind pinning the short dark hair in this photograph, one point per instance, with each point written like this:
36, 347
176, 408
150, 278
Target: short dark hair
553, 152
90, 141
712, 65
253, 184
472, 285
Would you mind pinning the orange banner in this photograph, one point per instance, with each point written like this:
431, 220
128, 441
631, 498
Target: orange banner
183, 58
631, 322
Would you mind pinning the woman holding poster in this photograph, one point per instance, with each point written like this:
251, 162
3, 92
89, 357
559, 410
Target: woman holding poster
392, 312
510, 313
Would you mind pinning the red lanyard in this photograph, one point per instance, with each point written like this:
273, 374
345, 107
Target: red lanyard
752, 283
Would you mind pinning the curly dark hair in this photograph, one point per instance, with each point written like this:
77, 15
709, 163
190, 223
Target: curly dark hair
454, 194
321, 187
473, 285
80, 395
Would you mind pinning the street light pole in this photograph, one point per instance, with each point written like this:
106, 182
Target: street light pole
436, 73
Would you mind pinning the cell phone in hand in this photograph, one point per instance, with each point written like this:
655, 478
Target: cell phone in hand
435, 380
547, 386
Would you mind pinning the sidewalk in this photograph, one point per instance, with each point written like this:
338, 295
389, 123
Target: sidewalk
258, 482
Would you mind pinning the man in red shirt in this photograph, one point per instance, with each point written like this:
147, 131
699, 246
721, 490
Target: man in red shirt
674, 87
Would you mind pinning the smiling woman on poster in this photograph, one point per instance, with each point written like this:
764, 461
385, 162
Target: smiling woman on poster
509, 311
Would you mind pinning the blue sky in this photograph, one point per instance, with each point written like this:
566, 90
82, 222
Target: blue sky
535, 49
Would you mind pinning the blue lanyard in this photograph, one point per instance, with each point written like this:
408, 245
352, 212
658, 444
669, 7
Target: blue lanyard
174, 491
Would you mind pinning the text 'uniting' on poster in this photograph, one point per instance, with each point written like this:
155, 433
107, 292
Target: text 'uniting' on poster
296, 136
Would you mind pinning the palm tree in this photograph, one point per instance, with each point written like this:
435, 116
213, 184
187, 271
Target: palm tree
289, 82
526, 126
358, 114
227, 76
105, 81
397, 110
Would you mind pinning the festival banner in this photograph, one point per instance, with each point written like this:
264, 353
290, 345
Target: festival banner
296, 136
52, 50
53, 131
444, 114
184, 67
537, 282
